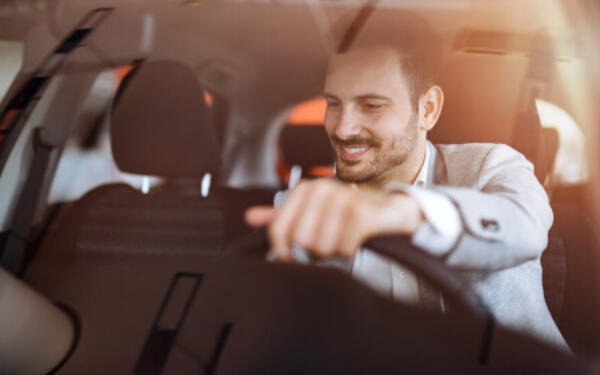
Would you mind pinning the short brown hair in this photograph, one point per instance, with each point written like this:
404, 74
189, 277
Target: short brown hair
418, 45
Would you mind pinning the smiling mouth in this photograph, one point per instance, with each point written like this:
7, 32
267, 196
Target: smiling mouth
353, 153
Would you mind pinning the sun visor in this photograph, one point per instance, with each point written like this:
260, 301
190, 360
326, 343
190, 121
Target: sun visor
115, 38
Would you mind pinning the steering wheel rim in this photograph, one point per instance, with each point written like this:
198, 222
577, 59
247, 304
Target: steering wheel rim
455, 288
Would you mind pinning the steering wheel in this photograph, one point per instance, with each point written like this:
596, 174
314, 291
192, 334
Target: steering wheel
454, 288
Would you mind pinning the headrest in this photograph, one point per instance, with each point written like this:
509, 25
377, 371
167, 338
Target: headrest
306, 146
160, 124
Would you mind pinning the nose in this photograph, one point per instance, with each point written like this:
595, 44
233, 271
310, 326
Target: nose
347, 124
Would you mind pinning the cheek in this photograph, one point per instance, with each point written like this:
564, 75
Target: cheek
393, 126
329, 121
385, 127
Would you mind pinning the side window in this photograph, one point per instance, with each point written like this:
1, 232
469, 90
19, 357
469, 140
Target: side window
570, 165
10, 64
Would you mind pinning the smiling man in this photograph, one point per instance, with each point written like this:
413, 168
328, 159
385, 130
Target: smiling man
390, 147
479, 207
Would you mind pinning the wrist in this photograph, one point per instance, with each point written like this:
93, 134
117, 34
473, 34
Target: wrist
406, 211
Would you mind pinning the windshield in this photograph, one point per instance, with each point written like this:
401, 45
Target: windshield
142, 143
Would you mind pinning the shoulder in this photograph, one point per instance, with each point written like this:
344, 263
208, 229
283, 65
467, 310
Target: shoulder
480, 152
470, 162
476, 149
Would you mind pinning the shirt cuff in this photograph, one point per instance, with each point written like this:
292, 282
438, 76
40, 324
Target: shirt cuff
443, 226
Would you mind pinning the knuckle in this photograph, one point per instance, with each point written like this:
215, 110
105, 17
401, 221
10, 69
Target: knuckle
320, 188
322, 251
361, 207
353, 210
300, 188
347, 250
275, 231
300, 238
324, 245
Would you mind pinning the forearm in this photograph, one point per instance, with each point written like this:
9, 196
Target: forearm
479, 230
500, 230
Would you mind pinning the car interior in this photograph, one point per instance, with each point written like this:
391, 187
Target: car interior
135, 134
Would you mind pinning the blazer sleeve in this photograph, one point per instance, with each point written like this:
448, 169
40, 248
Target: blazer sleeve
506, 218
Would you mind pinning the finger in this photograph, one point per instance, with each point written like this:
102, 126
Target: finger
259, 216
305, 232
279, 230
354, 231
332, 222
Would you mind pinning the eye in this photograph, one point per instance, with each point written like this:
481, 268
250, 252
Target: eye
333, 105
371, 106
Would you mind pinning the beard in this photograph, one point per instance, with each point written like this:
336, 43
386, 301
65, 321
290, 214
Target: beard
384, 158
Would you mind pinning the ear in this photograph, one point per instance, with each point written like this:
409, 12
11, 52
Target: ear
430, 107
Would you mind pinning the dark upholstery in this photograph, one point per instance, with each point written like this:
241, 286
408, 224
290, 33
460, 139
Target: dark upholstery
116, 220
160, 124
578, 320
554, 273
306, 146
120, 220
111, 255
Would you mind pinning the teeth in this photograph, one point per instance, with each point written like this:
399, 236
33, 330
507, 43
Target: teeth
355, 150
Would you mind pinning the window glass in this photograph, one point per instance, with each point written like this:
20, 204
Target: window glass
10, 64
570, 165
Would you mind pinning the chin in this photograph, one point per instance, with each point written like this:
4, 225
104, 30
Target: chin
350, 176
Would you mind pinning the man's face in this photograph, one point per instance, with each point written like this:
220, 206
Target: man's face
370, 120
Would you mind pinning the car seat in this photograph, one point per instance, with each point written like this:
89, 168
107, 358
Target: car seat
294, 141
112, 255
304, 148
161, 126
578, 315
487, 110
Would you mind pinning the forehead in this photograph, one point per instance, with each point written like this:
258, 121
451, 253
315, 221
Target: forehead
367, 71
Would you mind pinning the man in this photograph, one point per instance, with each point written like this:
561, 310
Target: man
477, 206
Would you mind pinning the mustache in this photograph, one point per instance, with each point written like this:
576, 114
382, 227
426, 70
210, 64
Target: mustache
354, 141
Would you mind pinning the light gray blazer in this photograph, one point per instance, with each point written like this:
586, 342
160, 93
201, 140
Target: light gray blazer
506, 218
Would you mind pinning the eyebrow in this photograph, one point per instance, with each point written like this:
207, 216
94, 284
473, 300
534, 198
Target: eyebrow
330, 96
373, 96
360, 97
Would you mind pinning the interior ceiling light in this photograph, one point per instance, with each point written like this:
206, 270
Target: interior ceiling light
191, 3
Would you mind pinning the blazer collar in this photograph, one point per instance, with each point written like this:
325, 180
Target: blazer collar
437, 173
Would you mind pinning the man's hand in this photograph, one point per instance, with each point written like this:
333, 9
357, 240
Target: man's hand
328, 218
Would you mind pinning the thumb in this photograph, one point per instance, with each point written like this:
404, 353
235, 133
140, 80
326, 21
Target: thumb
259, 216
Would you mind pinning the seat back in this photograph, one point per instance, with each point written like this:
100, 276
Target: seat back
578, 315
305, 153
159, 126
306, 146
112, 254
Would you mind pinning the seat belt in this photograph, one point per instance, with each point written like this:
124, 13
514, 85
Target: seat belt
14, 254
